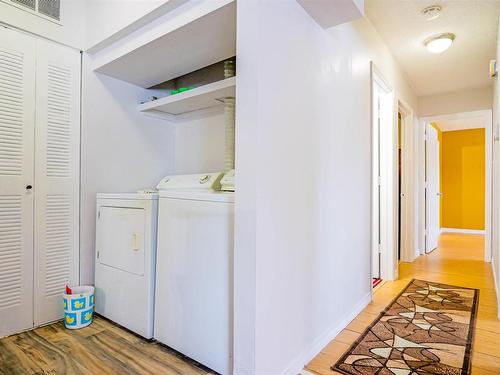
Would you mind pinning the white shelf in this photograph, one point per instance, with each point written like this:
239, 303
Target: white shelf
192, 37
200, 98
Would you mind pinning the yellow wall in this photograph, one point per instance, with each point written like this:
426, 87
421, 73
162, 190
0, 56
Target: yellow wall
462, 179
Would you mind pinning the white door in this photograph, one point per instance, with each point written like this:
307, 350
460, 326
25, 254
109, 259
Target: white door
381, 148
432, 192
56, 184
376, 190
120, 238
17, 108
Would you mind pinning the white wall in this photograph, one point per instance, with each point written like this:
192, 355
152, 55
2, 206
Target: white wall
70, 32
455, 102
303, 170
107, 17
199, 144
121, 151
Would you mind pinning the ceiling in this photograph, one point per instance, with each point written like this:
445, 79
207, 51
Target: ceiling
464, 65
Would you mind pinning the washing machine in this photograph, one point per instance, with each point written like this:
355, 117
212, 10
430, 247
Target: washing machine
126, 259
194, 283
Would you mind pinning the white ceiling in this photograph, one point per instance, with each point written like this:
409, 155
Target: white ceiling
461, 124
464, 65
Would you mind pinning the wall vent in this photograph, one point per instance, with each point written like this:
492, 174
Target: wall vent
45, 8
26, 3
50, 8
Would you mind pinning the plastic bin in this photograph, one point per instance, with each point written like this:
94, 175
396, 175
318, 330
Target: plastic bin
78, 307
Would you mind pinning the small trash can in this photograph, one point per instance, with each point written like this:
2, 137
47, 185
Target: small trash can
78, 307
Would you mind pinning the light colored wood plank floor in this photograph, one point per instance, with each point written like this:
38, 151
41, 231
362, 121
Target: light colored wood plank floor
101, 348
458, 260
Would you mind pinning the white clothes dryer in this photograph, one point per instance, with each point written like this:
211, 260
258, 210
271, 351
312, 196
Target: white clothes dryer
126, 259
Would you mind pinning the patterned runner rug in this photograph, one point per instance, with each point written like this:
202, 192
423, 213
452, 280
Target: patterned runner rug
427, 329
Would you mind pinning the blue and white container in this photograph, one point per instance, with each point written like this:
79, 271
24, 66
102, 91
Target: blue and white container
78, 307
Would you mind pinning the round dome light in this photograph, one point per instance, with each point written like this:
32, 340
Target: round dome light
439, 43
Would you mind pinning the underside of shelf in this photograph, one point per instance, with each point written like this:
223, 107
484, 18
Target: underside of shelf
198, 37
200, 98
329, 13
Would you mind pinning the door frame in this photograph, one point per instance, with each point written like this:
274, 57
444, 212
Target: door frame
487, 117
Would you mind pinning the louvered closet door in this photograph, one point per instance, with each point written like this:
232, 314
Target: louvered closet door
56, 177
17, 107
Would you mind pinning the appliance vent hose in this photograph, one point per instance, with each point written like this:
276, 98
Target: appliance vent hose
229, 118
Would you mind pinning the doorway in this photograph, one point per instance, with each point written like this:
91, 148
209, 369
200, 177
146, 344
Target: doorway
384, 161
457, 183
393, 234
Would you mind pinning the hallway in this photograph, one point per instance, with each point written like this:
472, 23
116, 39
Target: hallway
458, 260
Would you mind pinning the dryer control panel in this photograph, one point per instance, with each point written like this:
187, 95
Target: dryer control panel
195, 182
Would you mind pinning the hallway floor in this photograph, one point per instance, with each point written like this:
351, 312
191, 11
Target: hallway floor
459, 260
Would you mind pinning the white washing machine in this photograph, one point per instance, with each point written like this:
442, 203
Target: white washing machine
194, 283
126, 259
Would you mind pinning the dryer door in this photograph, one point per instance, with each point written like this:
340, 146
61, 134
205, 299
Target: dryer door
120, 238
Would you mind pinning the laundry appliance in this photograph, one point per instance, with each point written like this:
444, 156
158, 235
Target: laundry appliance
126, 259
194, 283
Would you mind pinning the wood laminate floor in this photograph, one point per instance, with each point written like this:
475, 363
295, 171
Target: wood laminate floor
104, 348
101, 348
459, 260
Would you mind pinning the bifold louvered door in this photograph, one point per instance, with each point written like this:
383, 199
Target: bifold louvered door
39, 178
56, 177
17, 109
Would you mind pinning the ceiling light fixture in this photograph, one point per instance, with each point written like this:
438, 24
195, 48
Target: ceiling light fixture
439, 43
432, 12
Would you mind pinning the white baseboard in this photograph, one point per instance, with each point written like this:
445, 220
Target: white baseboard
465, 231
495, 280
297, 365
